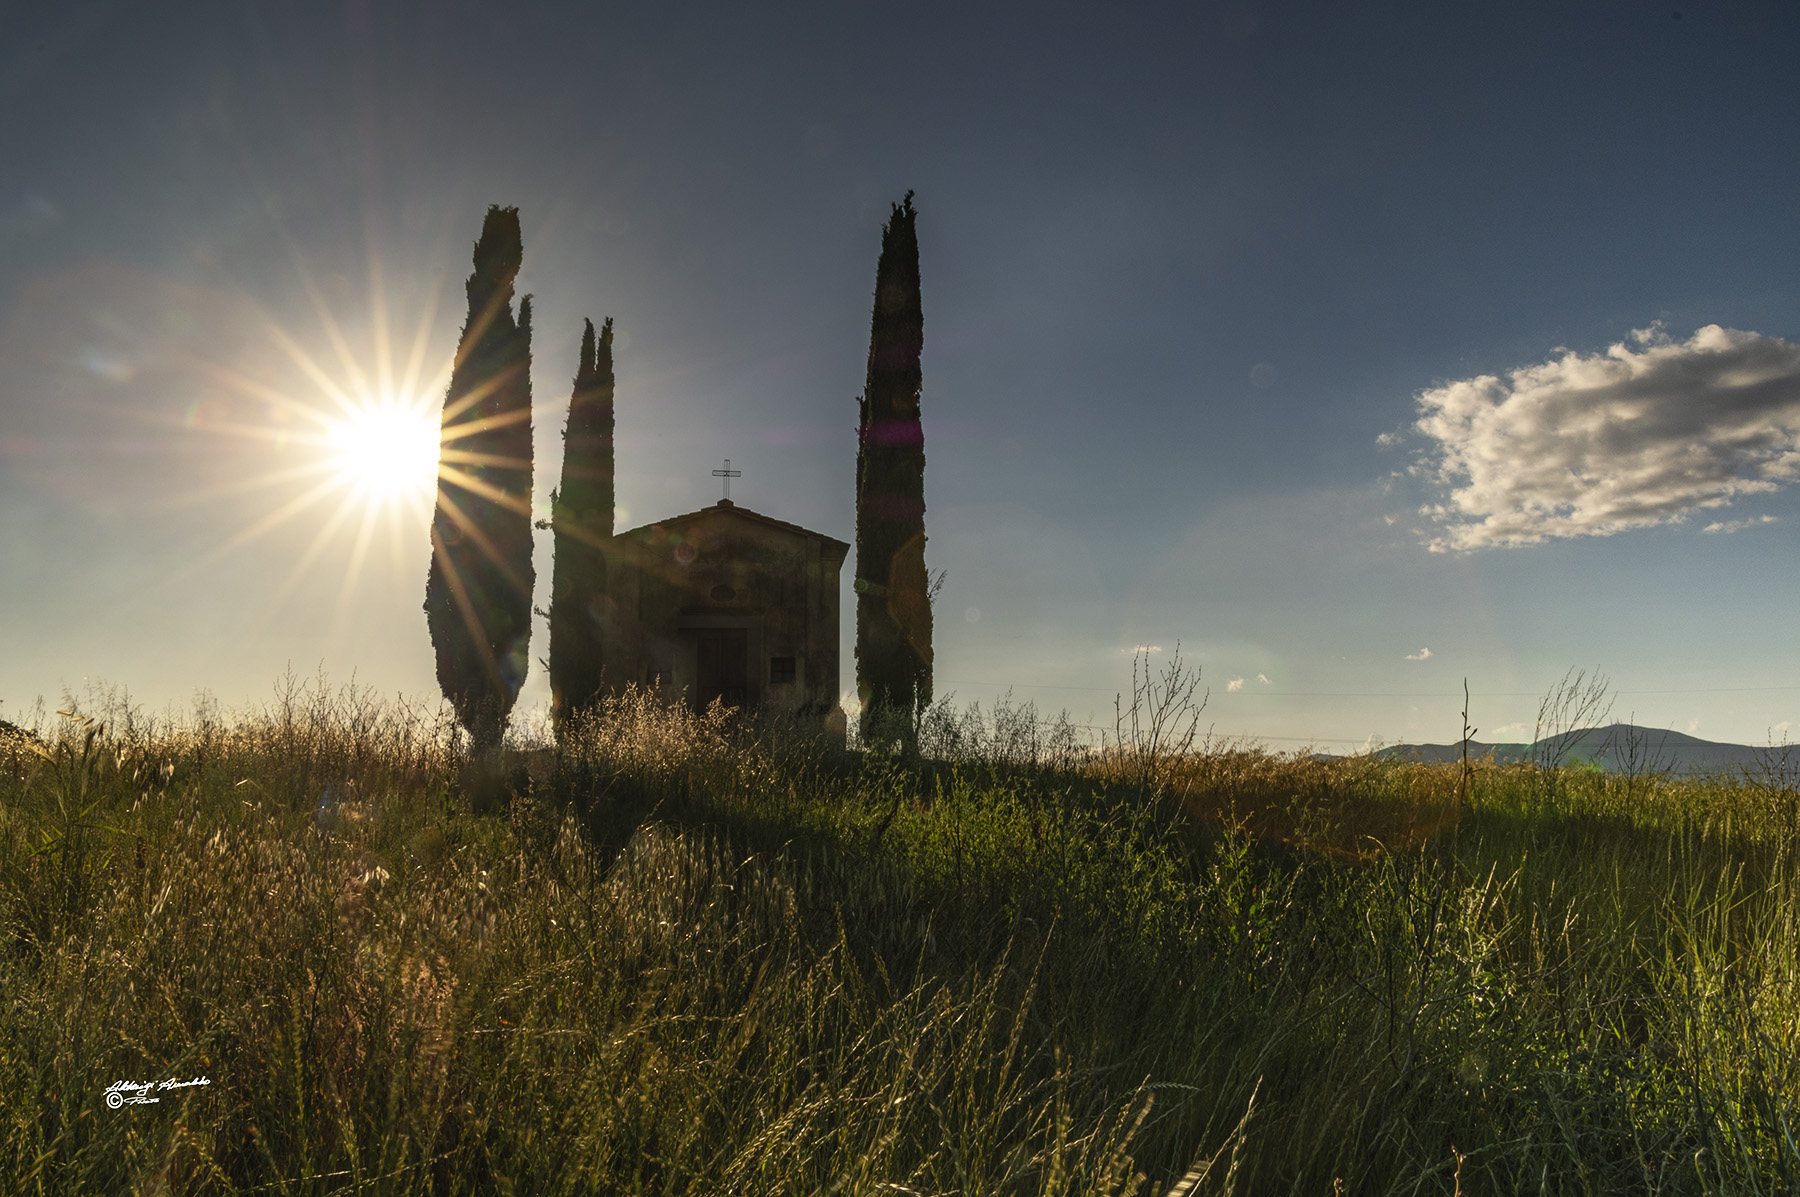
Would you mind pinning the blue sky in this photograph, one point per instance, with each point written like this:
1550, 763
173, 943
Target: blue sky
1284, 332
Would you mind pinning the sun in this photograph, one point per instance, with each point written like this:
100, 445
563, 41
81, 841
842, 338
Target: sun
350, 438
385, 450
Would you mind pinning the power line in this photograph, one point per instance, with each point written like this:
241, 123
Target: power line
1385, 693
1226, 737
1370, 741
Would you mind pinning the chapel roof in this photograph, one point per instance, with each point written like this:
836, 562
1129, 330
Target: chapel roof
728, 507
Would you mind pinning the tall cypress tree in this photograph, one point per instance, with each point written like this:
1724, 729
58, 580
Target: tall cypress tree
582, 518
893, 611
478, 591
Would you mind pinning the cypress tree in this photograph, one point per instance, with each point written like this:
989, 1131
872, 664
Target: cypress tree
478, 591
893, 611
582, 519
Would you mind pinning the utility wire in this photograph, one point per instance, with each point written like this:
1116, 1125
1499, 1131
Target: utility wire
1013, 716
1383, 693
1371, 741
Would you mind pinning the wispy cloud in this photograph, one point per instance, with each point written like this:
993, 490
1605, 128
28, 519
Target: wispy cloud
1234, 685
1140, 649
1730, 526
1264, 680
1646, 433
1423, 654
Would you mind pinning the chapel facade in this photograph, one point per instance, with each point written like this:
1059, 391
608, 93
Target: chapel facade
726, 603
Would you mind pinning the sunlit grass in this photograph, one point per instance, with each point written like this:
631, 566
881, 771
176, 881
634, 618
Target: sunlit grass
675, 953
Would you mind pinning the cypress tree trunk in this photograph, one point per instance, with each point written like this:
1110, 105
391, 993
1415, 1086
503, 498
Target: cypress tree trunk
582, 518
893, 612
478, 592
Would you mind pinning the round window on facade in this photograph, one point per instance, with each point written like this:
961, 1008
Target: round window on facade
723, 594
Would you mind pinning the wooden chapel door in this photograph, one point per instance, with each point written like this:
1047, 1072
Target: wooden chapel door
723, 668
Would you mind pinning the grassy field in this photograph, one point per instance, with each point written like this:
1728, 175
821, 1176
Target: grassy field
674, 954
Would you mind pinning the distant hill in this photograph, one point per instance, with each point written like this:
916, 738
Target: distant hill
1613, 748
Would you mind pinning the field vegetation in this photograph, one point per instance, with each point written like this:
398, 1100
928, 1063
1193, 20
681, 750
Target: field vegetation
677, 953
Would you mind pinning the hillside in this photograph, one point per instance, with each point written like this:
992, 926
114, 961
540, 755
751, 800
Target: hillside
680, 954
1617, 748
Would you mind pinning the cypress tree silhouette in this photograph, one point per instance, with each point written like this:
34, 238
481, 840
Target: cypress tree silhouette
582, 519
478, 591
893, 610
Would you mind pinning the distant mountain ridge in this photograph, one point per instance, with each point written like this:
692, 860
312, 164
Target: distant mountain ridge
1617, 748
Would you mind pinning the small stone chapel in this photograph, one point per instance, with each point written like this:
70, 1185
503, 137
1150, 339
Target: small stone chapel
726, 603
729, 605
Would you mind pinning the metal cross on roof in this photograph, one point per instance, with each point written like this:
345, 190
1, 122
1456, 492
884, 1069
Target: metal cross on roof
728, 474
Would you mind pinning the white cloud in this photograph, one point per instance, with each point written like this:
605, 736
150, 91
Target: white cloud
1592, 445
1730, 526
1264, 680
1423, 654
1140, 649
1234, 685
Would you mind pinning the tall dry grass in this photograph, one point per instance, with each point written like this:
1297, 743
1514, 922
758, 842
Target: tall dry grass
672, 952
